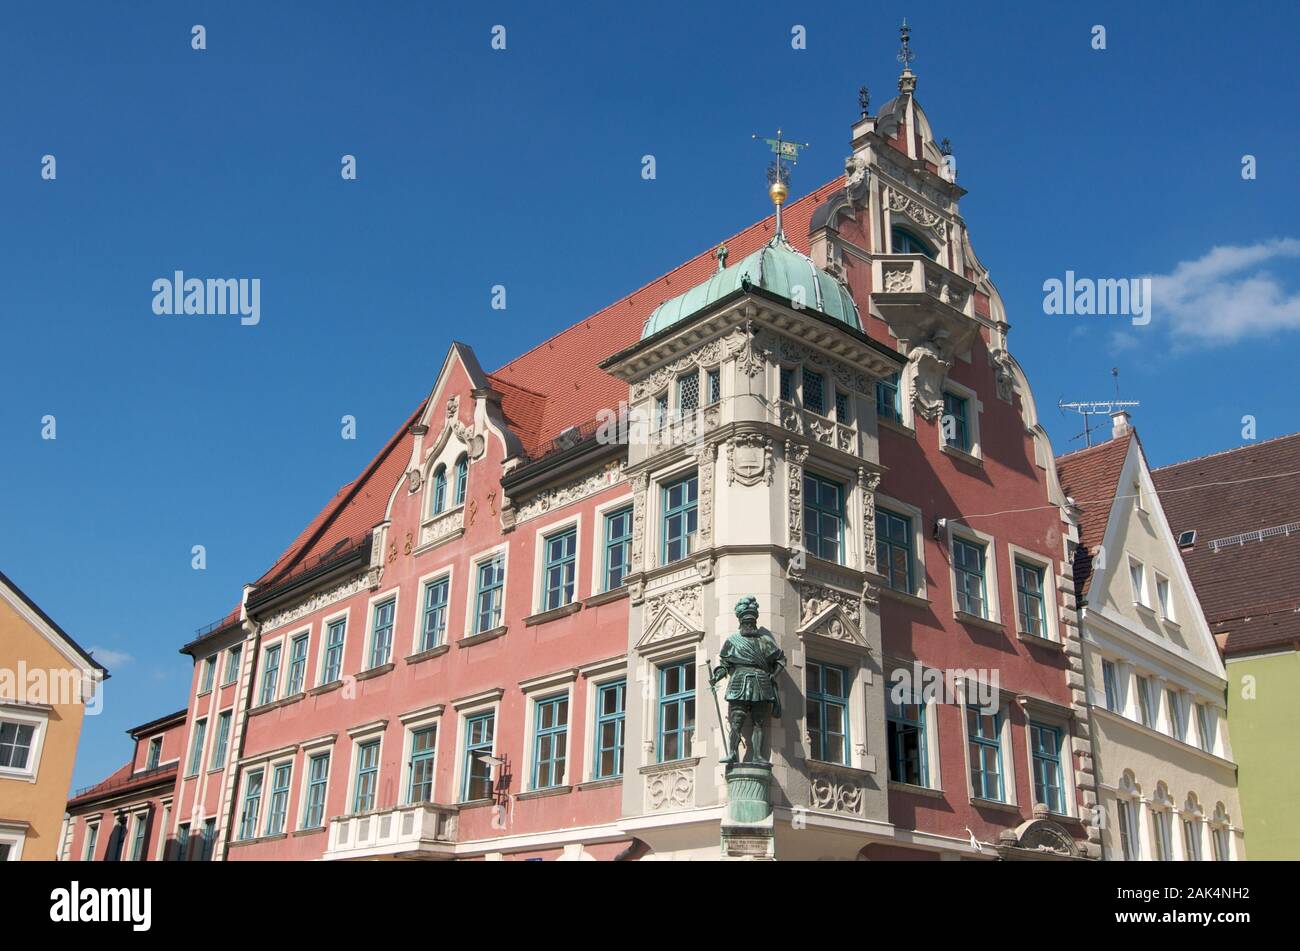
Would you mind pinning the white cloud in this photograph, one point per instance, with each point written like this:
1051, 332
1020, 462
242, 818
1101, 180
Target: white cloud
1228, 294
111, 658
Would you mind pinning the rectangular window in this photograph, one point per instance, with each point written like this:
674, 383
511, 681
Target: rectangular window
618, 547
318, 775
841, 407
209, 674
888, 404
985, 733
1220, 839
680, 518
828, 712
561, 565
1029, 599
419, 787
182, 842
137, 840
823, 518
956, 422
92, 839
1137, 575
275, 816
270, 673
491, 584
1177, 727
363, 798
968, 569
220, 741
332, 669
905, 735
894, 549
1192, 840
1203, 728
715, 385
297, 664
1045, 742
676, 710
1110, 680
1164, 836
1127, 829
550, 742
478, 744
434, 626
196, 752
610, 701
814, 395
1162, 597
1146, 704
787, 384
208, 841
661, 411
232, 664
688, 393
155, 753
252, 805
381, 637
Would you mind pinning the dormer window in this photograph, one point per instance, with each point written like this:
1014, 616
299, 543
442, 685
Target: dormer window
904, 242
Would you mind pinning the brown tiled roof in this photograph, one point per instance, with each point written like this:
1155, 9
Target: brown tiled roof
1091, 478
1250, 591
123, 780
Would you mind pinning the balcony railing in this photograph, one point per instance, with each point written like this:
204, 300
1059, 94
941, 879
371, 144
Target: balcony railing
421, 831
899, 274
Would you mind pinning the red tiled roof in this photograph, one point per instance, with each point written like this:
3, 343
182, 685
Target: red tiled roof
1249, 591
561, 377
122, 781
1091, 477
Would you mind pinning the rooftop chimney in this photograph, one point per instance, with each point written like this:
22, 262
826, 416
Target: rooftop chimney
1120, 424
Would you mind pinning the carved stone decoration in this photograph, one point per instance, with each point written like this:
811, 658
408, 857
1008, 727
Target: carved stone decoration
930, 369
571, 491
640, 483
857, 176
1040, 835
747, 349
670, 789
795, 455
322, 599
792, 351
924, 217
897, 278
1004, 376
833, 793
441, 526
414, 479
749, 460
791, 419
684, 601
707, 355
704, 503
815, 600
867, 482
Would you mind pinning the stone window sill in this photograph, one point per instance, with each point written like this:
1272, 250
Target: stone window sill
915, 790
600, 783
325, 688
564, 610
374, 672
904, 597
976, 621
1042, 642
605, 597
962, 455
982, 803
473, 639
544, 793
686, 763
431, 653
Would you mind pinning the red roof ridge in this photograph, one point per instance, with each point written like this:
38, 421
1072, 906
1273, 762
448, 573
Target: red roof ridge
1101, 445
1225, 452
521, 388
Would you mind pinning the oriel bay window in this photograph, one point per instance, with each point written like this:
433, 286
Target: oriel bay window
550, 742
419, 787
479, 730
676, 710
680, 518
823, 525
828, 712
1030, 606
561, 551
905, 735
984, 732
894, 549
367, 781
611, 702
1045, 745
618, 547
491, 586
968, 573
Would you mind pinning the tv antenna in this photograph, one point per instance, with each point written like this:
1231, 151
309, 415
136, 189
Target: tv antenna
1090, 408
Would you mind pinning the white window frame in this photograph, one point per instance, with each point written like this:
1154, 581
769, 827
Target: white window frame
1140, 595
992, 588
13, 836
547, 687
39, 720
471, 602
88, 853
281, 674
412, 723
597, 572
595, 676
268, 787
359, 736
417, 628
395, 594
1005, 744
654, 554
466, 707
286, 655
559, 526
215, 719
164, 828
1165, 607
1127, 793
918, 541
1051, 622
1060, 722
976, 408
346, 615
310, 749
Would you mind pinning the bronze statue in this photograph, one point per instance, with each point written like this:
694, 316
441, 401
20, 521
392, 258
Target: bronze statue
752, 662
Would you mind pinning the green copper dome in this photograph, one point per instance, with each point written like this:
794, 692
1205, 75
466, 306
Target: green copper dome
775, 267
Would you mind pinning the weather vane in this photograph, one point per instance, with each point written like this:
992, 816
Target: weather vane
905, 55
778, 176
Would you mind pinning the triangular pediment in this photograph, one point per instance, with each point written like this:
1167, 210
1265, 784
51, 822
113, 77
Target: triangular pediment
834, 623
669, 625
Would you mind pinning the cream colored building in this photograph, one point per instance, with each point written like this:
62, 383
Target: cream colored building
1166, 780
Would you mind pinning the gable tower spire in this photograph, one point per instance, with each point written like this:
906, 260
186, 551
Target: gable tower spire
907, 80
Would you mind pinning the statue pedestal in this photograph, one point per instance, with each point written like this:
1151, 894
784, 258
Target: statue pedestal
747, 830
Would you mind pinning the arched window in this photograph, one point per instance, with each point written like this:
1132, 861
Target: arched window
905, 242
439, 489
462, 476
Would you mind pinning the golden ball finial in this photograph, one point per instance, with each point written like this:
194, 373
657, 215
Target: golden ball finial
778, 192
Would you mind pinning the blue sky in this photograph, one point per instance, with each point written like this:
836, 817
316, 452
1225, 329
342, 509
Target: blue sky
522, 168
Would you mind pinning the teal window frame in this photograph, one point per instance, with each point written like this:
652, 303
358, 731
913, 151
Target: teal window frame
480, 732
137, 836
559, 573
1110, 684
182, 841
221, 740
318, 777
611, 712
907, 741
232, 664
1030, 599
895, 558
970, 575
335, 634
384, 616
366, 788
462, 480
1049, 775
433, 624
823, 521
905, 242
420, 765
270, 674
680, 505
618, 547
958, 407
252, 805
676, 725
550, 741
827, 708
277, 811
207, 840
488, 600
984, 734
439, 501
889, 404
196, 752
297, 664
